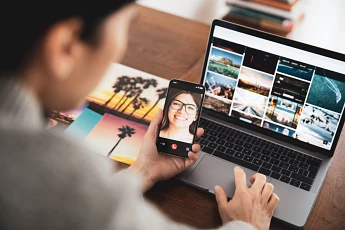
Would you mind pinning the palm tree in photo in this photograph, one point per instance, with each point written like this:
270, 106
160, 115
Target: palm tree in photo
126, 131
139, 103
144, 84
118, 87
133, 87
161, 93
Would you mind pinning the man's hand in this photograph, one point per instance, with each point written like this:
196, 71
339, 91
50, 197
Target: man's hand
253, 205
153, 166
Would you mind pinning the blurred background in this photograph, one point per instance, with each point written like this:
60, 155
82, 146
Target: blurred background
316, 22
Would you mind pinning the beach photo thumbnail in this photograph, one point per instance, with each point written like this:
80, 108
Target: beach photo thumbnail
296, 69
246, 118
317, 126
220, 86
283, 111
327, 92
255, 81
279, 129
290, 88
217, 104
260, 60
225, 63
250, 103
229, 46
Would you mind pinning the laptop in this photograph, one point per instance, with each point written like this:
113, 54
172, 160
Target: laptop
273, 106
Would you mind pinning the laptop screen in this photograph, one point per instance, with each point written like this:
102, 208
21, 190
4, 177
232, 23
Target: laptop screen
279, 88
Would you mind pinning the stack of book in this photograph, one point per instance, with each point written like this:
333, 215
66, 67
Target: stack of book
276, 16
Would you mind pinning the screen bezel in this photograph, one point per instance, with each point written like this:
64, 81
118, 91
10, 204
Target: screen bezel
284, 41
186, 86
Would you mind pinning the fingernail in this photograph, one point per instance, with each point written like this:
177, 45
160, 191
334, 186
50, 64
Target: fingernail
216, 188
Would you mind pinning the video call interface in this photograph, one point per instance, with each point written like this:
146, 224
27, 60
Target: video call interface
286, 96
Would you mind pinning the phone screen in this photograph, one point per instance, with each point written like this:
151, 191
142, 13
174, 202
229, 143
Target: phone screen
181, 116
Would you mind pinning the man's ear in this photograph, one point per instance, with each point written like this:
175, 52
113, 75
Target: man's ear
61, 48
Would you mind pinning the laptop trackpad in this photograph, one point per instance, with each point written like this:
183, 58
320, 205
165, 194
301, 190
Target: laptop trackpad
212, 171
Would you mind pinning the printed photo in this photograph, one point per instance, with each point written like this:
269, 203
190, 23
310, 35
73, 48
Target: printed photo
225, 63
250, 103
220, 86
217, 104
180, 115
283, 111
64, 119
255, 82
317, 126
279, 129
246, 118
229, 46
290, 88
296, 69
327, 92
260, 60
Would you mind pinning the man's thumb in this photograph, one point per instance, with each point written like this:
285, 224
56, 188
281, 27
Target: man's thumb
154, 125
221, 196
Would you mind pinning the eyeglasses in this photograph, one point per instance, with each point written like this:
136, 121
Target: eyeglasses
189, 108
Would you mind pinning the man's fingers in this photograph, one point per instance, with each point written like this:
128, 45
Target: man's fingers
240, 178
221, 197
154, 125
258, 180
192, 158
199, 133
267, 191
273, 202
196, 148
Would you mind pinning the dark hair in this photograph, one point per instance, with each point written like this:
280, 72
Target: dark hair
173, 93
24, 24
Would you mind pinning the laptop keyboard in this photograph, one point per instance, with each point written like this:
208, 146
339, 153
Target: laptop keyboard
276, 161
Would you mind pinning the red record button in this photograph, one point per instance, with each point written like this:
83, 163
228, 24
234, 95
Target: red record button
174, 146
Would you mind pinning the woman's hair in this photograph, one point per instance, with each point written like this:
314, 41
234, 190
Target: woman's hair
24, 24
173, 93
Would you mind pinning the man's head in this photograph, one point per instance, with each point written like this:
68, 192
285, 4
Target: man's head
60, 52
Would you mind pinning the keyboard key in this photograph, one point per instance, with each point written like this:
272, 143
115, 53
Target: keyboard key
301, 158
230, 139
257, 162
207, 150
312, 175
266, 152
284, 158
293, 168
274, 161
221, 142
295, 183
248, 158
230, 151
292, 155
257, 149
273, 148
264, 145
229, 145
221, 136
303, 165
239, 142
265, 158
313, 169
304, 179
212, 138
239, 155
275, 155
285, 179
221, 148
280, 151
204, 142
247, 151
294, 162
265, 171
266, 165
286, 172
276, 169
256, 154
284, 165
305, 187
275, 175
213, 133
238, 148
248, 146
205, 136
212, 145
303, 172
314, 162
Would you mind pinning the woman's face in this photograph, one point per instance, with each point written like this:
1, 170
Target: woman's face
179, 117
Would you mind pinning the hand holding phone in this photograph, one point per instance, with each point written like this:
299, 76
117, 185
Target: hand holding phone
181, 117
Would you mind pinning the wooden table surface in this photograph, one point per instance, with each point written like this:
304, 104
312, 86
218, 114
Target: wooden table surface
173, 47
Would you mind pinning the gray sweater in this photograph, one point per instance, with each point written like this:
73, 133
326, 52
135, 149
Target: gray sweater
50, 181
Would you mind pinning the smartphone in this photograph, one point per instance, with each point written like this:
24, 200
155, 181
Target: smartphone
181, 115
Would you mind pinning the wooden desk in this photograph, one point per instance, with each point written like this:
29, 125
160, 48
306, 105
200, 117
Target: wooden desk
172, 47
